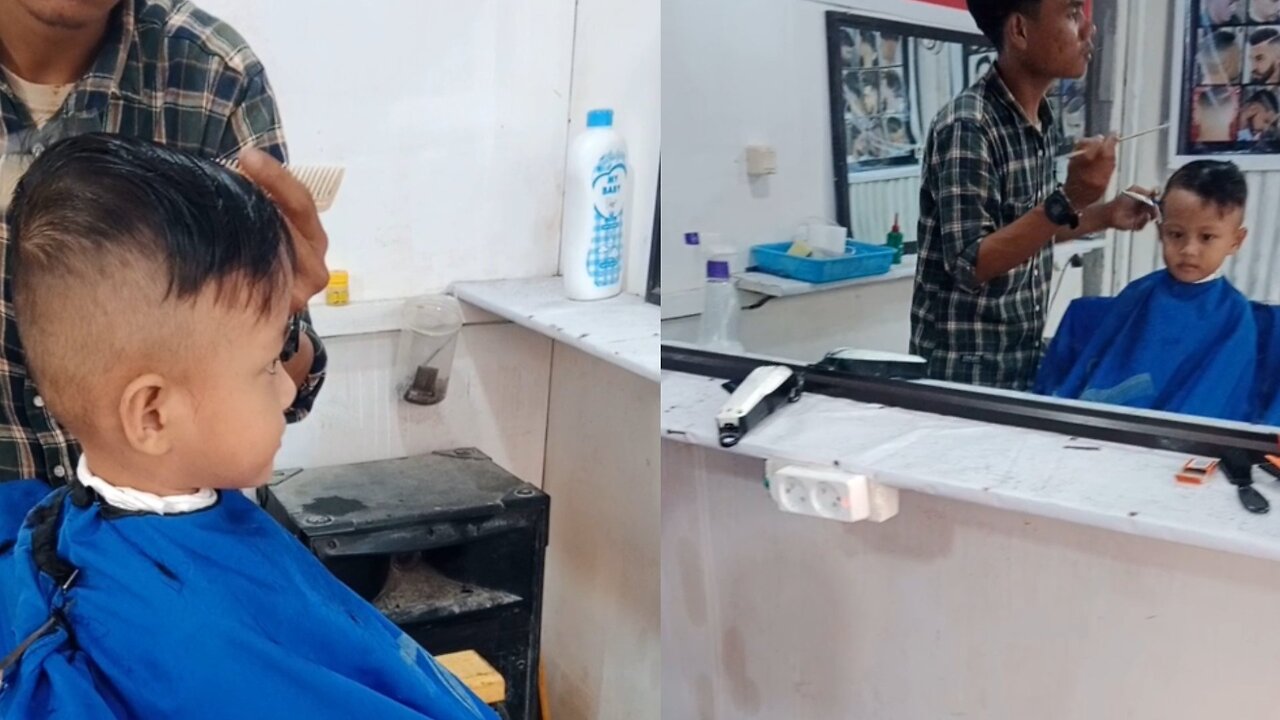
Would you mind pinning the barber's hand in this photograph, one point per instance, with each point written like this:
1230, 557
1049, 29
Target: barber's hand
1089, 173
310, 243
1125, 213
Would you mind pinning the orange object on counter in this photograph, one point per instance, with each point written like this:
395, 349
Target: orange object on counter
1197, 471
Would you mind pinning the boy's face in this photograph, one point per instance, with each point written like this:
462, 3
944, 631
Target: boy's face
1197, 236
238, 395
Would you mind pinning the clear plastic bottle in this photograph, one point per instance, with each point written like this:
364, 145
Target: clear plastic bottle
719, 330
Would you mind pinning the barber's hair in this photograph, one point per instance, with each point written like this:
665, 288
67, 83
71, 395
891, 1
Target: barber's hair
107, 230
1217, 182
992, 15
1265, 98
1265, 35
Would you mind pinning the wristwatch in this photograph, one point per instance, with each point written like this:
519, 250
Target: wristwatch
292, 337
1059, 210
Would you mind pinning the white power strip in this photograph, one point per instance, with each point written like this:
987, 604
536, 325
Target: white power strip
830, 493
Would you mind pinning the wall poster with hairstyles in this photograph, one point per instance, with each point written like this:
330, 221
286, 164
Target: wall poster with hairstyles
1226, 89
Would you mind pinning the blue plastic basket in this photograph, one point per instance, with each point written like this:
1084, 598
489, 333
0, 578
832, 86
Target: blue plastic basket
859, 260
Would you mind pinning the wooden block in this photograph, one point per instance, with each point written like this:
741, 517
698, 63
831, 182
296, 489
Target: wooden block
478, 675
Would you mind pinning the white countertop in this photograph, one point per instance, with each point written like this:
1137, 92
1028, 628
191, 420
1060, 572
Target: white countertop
623, 330
1116, 487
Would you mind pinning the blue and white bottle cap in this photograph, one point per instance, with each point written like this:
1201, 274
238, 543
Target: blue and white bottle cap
600, 118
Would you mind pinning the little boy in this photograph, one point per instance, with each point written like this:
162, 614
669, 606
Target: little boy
152, 291
1181, 339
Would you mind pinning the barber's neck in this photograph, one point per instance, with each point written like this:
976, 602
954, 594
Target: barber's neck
47, 54
1028, 87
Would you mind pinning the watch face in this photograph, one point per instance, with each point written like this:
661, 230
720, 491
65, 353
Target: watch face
292, 337
1059, 209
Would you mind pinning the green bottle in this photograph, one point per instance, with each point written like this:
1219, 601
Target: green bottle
894, 240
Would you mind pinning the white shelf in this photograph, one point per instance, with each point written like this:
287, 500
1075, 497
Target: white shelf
622, 330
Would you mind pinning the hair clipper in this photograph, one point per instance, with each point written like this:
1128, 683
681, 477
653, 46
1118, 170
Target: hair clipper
754, 399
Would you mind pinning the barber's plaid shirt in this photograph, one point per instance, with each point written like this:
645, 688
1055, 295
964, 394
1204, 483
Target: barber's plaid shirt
167, 72
984, 166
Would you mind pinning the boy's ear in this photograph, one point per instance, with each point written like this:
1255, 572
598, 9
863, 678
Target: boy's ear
1241, 234
152, 411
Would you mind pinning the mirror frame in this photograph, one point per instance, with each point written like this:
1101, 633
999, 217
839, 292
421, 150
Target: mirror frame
1238, 447
837, 21
653, 289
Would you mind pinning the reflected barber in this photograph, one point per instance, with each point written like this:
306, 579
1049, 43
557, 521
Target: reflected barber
990, 205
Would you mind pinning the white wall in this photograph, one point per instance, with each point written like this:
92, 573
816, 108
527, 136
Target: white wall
617, 63
949, 610
744, 72
449, 117
600, 640
497, 401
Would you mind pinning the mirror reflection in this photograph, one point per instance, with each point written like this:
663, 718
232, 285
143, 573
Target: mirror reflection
1005, 218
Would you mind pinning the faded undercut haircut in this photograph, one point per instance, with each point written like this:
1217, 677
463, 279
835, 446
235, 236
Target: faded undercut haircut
112, 236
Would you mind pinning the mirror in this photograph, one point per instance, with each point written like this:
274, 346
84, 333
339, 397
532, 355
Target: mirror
1086, 315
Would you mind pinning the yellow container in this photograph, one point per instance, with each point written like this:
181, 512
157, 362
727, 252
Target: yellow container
338, 292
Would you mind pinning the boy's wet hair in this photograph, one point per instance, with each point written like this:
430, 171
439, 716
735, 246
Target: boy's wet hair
92, 197
116, 242
1217, 182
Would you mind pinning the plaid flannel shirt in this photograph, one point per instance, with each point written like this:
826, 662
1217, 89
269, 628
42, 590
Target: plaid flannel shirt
984, 166
166, 72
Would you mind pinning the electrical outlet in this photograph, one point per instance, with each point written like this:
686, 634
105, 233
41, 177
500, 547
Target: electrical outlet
829, 493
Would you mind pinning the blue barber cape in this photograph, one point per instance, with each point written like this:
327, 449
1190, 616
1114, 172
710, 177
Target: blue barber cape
217, 613
1162, 344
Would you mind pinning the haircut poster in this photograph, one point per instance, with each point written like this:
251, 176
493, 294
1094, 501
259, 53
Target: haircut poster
1227, 93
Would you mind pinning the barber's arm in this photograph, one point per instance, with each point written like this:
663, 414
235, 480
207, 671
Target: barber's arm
1088, 176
